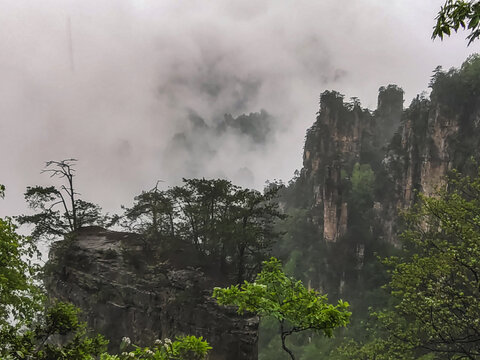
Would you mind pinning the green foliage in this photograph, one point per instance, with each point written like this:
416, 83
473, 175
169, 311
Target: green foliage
229, 225
60, 321
435, 283
347, 268
182, 348
362, 180
378, 349
455, 94
457, 88
295, 307
62, 318
19, 296
191, 347
27, 332
152, 214
456, 14
299, 246
57, 210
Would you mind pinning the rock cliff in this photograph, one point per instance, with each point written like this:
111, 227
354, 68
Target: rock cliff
410, 150
345, 134
361, 167
124, 290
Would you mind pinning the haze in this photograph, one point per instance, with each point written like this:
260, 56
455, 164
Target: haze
135, 72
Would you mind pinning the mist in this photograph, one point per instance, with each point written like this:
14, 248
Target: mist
122, 86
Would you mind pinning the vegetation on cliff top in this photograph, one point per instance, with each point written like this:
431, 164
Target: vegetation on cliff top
33, 328
228, 226
58, 210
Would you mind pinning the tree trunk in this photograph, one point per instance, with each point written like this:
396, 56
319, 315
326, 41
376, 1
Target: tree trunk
172, 226
284, 335
241, 264
72, 199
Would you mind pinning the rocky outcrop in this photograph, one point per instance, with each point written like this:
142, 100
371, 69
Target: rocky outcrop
345, 134
431, 146
124, 290
410, 151
361, 168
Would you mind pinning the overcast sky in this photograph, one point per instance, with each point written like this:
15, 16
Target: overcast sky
138, 69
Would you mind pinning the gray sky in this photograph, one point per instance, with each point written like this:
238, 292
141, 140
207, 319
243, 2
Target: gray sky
142, 67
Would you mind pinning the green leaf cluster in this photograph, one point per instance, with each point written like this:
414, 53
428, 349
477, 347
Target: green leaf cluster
29, 331
362, 180
182, 348
435, 283
229, 225
19, 294
295, 307
57, 334
57, 210
456, 14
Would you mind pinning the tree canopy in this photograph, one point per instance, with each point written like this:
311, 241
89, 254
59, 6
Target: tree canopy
25, 326
456, 14
295, 307
32, 328
435, 284
58, 211
60, 321
226, 223
19, 296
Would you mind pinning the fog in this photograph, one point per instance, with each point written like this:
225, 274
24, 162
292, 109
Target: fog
118, 84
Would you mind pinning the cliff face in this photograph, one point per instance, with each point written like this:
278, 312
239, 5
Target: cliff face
408, 150
123, 291
434, 140
344, 134
361, 167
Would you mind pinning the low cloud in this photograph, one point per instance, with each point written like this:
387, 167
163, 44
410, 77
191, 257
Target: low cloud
142, 69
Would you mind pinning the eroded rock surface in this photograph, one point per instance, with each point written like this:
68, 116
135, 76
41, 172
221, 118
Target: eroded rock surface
125, 290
